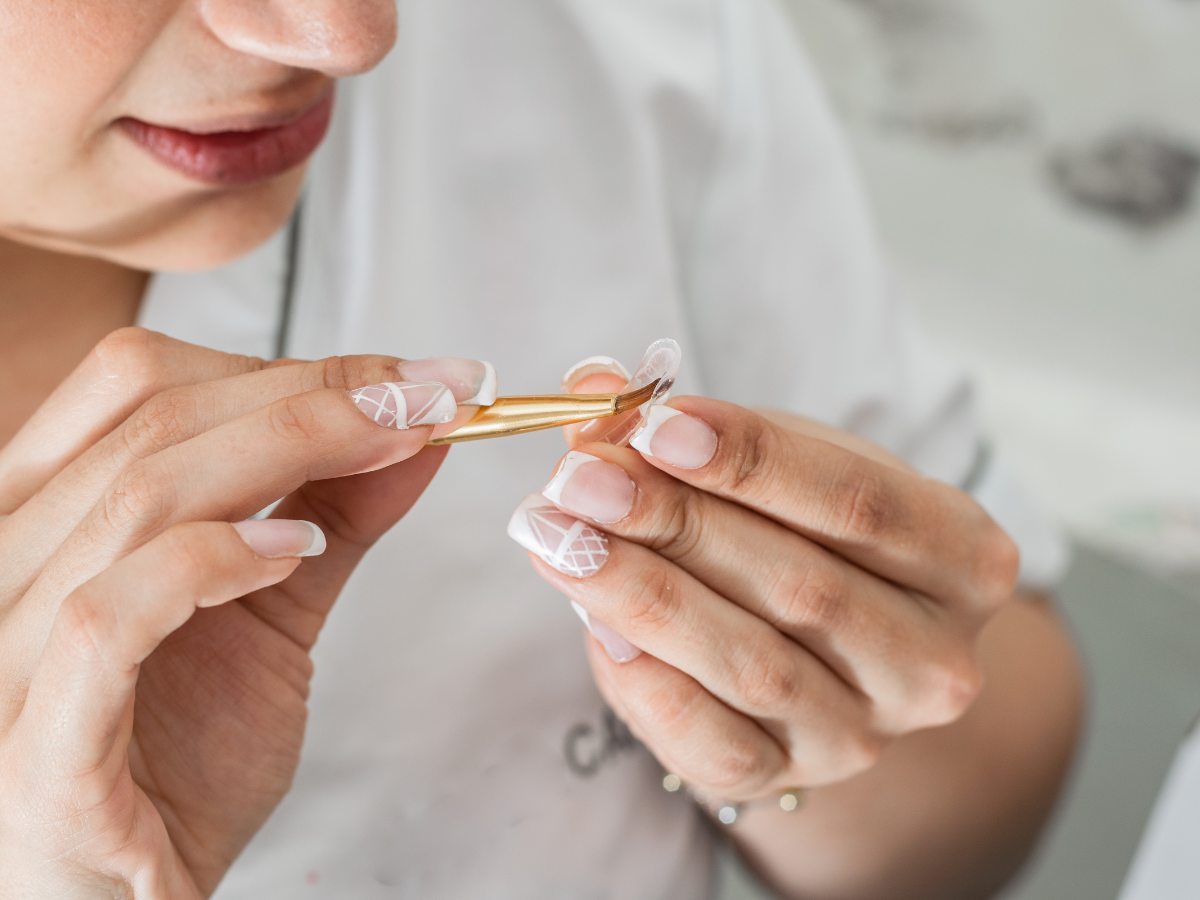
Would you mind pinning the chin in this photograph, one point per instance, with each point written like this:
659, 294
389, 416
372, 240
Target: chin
190, 232
213, 230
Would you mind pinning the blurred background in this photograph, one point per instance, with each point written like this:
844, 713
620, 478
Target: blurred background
1032, 164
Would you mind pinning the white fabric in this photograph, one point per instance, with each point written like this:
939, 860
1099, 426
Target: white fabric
532, 183
1167, 864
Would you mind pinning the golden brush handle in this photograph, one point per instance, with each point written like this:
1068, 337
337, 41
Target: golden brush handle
516, 415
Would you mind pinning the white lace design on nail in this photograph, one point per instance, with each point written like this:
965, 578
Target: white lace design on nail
573, 547
386, 405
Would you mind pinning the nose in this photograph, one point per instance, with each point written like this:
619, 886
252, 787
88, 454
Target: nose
337, 37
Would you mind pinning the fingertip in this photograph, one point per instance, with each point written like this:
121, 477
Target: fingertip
282, 538
594, 383
318, 544
592, 366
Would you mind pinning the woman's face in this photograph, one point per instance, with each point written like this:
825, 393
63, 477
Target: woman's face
168, 134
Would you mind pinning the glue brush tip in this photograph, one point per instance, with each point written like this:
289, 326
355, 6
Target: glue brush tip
634, 399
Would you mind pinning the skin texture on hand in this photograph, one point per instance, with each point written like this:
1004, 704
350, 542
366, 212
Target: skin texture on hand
920, 792
948, 813
156, 659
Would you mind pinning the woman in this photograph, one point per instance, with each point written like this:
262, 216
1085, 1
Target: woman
778, 604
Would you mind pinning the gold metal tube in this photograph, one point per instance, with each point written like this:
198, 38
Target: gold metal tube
516, 415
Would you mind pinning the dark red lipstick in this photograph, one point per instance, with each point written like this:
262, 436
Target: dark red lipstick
231, 158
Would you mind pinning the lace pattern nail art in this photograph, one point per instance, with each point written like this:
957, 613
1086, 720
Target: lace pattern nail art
404, 404
571, 546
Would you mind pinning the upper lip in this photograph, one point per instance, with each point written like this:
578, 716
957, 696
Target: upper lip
245, 122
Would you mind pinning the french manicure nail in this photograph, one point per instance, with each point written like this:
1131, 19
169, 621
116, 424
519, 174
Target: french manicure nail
403, 404
661, 364
617, 648
591, 487
282, 538
593, 365
560, 540
472, 382
675, 438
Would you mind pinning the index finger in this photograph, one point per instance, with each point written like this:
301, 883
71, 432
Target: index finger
899, 525
121, 373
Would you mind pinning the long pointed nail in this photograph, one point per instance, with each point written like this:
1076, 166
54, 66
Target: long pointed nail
618, 649
560, 540
675, 438
471, 381
400, 405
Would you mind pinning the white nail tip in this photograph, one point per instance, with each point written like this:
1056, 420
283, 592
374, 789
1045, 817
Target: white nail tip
571, 462
593, 365
317, 547
655, 416
486, 395
582, 613
558, 539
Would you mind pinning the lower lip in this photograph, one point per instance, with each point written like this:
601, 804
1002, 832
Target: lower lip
233, 158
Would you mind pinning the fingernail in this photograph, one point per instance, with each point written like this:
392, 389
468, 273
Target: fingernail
675, 438
402, 404
591, 487
560, 540
593, 365
617, 648
281, 538
661, 364
471, 381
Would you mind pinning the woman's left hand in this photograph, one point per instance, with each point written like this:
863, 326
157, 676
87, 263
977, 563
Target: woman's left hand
775, 606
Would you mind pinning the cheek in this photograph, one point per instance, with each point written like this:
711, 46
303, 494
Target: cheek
63, 64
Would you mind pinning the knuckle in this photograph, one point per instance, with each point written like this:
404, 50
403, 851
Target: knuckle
860, 751
954, 683
343, 373
998, 563
336, 372
677, 527
83, 626
768, 682
163, 421
750, 467
653, 601
135, 355
812, 600
191, 553
670, 707
137, 501
295, 418
741, 765
860, 510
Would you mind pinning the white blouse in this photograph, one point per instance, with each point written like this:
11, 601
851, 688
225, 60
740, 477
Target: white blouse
532, 183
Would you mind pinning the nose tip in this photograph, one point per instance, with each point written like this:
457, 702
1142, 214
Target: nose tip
336, 37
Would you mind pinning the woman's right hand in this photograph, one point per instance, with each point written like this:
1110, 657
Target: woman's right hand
154, 658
